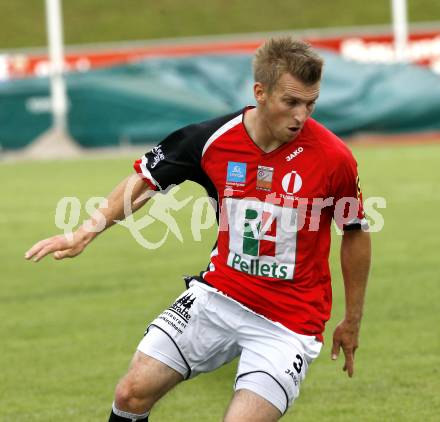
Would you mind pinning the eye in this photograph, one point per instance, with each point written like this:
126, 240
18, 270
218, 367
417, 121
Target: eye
291, 103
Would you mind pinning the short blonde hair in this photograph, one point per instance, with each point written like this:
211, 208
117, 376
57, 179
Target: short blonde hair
285, 54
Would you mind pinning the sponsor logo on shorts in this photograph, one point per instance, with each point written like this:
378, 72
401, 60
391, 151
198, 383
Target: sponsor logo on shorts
177, 315
183, 305
173, 321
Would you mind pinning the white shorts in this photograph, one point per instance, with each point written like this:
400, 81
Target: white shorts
203, 330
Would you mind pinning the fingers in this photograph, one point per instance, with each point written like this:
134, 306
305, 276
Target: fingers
346, 338
335, 349
349, 361
63, 254
52, 247
36, 248
47, 246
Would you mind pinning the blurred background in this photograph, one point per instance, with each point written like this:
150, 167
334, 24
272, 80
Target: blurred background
119, 76
133, 72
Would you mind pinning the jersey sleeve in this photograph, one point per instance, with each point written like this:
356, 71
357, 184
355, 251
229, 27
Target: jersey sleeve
178, 157
348, 210
172, 161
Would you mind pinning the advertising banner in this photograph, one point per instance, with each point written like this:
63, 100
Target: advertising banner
423, 49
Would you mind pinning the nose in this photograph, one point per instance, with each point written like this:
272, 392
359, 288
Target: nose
301, 113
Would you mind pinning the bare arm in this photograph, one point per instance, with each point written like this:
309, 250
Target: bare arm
133, 188
355, 264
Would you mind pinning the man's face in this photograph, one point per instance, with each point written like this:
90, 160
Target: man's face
287, 107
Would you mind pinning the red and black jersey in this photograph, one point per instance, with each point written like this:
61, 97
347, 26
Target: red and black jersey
274, 209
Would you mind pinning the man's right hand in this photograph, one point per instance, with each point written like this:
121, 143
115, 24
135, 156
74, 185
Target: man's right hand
72, 244
62, 246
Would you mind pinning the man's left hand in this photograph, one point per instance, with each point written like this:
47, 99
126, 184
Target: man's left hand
346, 337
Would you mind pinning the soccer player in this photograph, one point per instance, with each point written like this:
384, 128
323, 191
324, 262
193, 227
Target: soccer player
279, 178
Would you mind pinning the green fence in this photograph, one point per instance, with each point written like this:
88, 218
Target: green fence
140, 103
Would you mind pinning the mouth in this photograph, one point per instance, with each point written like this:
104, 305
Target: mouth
294, 129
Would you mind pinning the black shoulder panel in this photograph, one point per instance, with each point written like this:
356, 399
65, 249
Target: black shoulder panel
177, 158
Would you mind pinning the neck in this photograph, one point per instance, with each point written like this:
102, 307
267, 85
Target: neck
259, 132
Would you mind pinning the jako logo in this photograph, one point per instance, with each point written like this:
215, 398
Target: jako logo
294, 154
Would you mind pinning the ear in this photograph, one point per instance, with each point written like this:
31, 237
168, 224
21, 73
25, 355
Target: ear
259, 93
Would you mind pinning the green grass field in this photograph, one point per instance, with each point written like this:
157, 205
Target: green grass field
88, 21
68, 329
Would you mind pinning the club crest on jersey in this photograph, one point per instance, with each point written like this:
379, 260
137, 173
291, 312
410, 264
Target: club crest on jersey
236, 173
291, 182
264, 178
